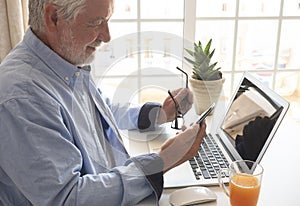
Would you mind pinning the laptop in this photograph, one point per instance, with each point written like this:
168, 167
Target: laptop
244, 131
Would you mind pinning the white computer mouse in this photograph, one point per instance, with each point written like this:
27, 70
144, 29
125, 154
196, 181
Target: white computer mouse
191, 195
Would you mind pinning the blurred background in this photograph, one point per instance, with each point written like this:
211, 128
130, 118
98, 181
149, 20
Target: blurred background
148, 37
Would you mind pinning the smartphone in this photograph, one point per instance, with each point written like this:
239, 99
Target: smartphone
206, 113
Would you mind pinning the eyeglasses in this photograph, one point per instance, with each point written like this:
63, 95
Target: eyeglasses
179, 120
186, 77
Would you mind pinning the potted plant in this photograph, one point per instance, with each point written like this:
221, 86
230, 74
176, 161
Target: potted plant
206, 81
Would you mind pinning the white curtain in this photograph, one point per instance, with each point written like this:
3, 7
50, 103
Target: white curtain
13, 24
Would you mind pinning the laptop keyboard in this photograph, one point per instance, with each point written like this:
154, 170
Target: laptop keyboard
209, 160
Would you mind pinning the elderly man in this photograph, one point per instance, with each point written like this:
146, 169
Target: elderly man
60, 143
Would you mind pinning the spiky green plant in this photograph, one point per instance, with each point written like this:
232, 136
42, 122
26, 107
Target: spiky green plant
203, 69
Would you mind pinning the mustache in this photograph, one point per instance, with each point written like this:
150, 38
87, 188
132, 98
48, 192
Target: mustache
96, 43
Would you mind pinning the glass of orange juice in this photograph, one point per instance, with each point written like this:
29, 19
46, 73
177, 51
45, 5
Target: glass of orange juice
244, 182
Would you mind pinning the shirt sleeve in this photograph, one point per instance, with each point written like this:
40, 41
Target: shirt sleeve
41, 164
147, 120
153, 171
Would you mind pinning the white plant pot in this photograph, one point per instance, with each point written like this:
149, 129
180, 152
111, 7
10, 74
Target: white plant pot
205, 93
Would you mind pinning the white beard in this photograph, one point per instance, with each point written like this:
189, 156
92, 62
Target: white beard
71, 52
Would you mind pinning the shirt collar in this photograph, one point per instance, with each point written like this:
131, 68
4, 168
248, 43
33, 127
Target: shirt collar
65, 70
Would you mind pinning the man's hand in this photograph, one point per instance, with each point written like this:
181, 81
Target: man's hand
184, 98
182, 147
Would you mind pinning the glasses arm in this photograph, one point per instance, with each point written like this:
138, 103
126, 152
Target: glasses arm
186, 77
175, 102
178, 113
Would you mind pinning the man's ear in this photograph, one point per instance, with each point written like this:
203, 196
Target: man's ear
50, 15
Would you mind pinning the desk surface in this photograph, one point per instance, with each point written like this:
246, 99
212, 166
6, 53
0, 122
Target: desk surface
279, 186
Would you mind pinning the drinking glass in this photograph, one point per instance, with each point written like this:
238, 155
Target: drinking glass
244, 182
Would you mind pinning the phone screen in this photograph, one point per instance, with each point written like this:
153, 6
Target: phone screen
206, 113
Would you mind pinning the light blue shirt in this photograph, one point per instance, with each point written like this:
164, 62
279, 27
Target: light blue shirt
53, 151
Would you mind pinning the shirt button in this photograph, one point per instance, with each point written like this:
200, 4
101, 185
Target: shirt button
67, 78
77, 74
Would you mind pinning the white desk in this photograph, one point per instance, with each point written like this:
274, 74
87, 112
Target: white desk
279, 186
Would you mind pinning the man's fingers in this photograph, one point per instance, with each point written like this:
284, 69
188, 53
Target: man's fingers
183, 146
184, 97
183, 127
182, 93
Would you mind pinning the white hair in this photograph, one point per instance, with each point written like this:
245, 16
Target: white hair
68, 9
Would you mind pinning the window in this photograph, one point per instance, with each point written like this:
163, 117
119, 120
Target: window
148, 37
145, 49
258, 36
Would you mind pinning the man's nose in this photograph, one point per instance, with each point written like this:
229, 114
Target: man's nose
104, 34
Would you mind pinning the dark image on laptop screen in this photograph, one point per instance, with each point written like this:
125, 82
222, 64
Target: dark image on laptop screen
250, 119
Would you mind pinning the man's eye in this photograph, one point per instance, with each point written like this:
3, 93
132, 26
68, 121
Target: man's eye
96, 24
99, 23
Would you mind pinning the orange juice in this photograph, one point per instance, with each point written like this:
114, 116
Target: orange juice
244, 190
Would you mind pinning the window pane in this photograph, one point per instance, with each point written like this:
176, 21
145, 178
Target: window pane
125, 9
259, 7
291, 8
227, 87
215, 8
265, 77
289, 45
119, 51
162, 45
175, 28
157, 61
118, 30
222, 34
288, 85
158, 9
256, 44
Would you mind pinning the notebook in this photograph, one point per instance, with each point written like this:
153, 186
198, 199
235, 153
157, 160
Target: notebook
244, 131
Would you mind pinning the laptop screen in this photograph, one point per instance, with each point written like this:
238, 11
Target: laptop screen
254, 113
